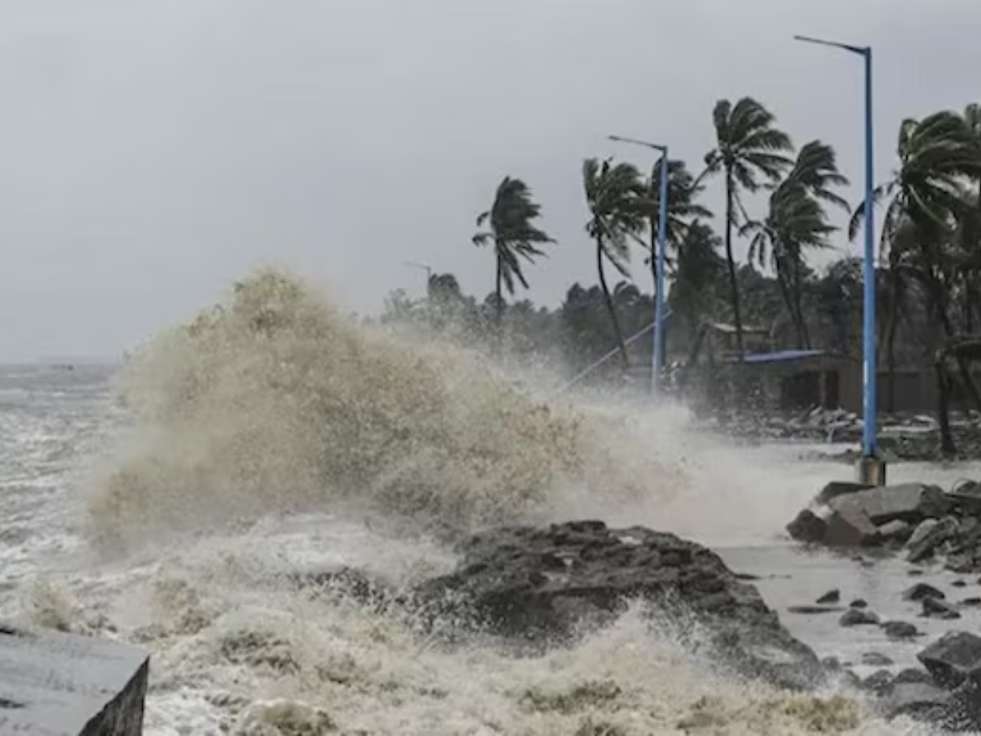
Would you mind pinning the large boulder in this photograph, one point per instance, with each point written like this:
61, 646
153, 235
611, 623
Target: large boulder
910, 502
849, 525
953, 658
544, 583
928, 536
807, 526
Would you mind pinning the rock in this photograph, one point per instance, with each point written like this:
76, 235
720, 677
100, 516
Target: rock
960, 562
831, 663
848, 525
859, 603
953, 658
832, 596
928, 535
857, 617
879, 682
543, 584
813, 610
875, 659
910, 502
918, 700
56, 683
971, 602
895, 531
911, 675
807, 527
914, 572
920, 591
836, 488
899, 630
959, 584
937, 608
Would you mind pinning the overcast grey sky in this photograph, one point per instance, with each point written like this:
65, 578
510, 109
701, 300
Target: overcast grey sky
153, 151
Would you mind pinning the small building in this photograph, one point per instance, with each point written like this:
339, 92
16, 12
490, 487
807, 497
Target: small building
797, 379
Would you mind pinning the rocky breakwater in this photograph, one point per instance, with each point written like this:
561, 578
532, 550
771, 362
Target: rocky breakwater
921, 522
546, 584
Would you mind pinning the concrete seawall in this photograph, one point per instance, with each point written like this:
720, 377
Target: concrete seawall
55, 684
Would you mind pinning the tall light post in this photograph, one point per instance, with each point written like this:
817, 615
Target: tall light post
657, 354
871, 469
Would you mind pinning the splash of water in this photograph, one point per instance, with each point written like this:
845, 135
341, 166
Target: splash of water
275, 402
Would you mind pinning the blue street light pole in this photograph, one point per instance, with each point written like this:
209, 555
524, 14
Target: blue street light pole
658, 352
871, 468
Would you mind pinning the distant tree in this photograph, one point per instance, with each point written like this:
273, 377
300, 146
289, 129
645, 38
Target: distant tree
698, 274
512, 235
613, 195
747, 146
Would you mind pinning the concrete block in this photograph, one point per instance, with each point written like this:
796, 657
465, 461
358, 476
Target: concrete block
55, 684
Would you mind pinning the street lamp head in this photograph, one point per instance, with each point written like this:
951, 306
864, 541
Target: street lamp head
863, 50
648, 144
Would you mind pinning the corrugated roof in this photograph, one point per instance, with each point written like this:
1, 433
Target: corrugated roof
781, 356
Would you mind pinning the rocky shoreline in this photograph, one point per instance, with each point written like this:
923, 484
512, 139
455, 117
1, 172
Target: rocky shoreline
537, 587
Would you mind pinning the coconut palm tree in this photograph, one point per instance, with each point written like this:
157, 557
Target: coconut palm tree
512, 234
795, 221
748, 146
923, 200
613, 194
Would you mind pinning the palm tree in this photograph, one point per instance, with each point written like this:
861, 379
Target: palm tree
512, 233
747, 146
613, 194
796, 220
699, 270
923, 200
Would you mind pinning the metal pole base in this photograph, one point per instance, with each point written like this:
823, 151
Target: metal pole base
871, 471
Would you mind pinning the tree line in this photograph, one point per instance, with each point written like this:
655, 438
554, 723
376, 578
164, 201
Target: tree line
929, 263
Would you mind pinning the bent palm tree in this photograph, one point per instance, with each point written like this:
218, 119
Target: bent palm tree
925, 197
512, 233
747, 146
796, 220
613, 195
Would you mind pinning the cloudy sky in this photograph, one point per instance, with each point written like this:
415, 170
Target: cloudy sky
152, 151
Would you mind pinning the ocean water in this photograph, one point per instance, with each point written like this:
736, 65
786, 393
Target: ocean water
172, 502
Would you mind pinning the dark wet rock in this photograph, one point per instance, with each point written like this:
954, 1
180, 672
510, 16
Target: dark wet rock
746, 576
849, 525
858, 617
879, 682
971, 602
959, 584
928, 536
895, 531
814, 610
953, 658
807, 527
937, 608
911, 675
914, 572
837, 488
876, 659
920, 591
832, 596
899, 630
544, 584
910, 502
859, 603
921, 701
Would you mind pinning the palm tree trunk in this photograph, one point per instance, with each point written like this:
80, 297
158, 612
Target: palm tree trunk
499, 302
891, 337
804, 337
731, 263
940, 308
609, 302
785, 293
943, 410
